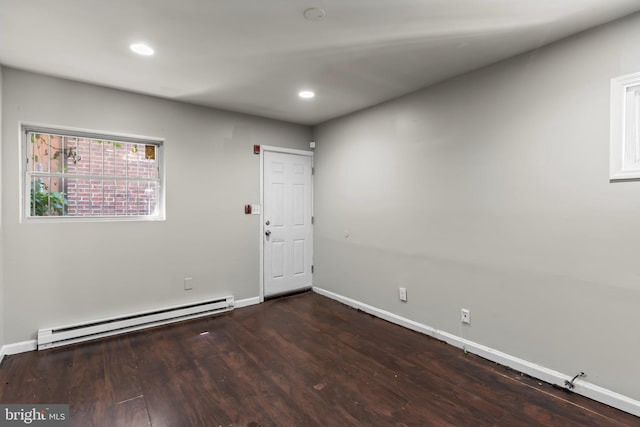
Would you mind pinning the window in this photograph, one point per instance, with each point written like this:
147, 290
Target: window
74, 175
625, 127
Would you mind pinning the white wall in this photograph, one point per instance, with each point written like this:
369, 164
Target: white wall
491, 192
55, 274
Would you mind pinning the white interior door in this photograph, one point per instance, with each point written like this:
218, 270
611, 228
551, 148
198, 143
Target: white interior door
288, 231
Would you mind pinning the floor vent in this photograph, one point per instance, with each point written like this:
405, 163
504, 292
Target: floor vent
71, 334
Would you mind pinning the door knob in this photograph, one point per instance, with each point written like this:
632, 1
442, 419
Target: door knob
267, 233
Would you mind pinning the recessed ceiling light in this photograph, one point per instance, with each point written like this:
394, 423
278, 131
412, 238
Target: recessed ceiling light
141, 49
306, 94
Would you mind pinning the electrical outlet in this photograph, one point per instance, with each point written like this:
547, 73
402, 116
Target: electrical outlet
188, 283
466, 316
402, 293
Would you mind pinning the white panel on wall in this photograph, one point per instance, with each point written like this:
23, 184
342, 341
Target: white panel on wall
298, 204
298, 257
278, 205
277, 257
277, 167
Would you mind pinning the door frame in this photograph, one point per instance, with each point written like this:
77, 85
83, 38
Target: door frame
273, 149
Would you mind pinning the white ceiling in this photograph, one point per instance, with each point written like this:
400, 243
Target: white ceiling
253, 56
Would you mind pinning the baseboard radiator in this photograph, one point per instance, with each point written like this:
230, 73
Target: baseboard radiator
71, 334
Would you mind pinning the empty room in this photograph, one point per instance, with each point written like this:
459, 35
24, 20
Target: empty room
325, 213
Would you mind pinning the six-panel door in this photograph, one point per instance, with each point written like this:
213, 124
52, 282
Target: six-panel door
288, 238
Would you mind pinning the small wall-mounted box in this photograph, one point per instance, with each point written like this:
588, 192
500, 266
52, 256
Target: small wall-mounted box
253, 209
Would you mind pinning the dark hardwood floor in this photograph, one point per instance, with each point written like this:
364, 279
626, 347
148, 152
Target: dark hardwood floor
302, 360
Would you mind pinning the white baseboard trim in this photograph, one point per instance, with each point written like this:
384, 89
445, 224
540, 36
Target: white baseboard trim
582, 387
19, 347
247, 302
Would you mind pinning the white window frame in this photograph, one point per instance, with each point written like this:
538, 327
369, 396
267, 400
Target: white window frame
25, 194
625, 128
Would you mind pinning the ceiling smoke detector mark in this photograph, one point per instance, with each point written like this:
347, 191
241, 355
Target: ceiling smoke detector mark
314, 14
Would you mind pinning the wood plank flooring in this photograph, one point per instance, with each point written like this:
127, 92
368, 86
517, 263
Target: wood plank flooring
302, 360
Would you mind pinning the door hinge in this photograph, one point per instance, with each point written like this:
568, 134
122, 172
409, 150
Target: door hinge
312, 269
313, 220
313, 171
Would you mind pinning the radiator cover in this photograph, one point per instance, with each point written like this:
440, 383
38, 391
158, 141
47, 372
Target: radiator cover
71, 334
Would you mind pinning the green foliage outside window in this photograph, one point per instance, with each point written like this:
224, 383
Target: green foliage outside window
45, 202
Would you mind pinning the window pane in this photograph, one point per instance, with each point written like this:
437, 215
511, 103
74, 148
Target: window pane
96, 157
109, 158
39, 153
152, 194
79, 197
149, 168
132, 197
46, 199
121, 198
96, 197
71, 190
83, 157
55, 185
148, 198
53, 153
70, 155
134, 155
31, 151
39, 197
120, 149
109, 198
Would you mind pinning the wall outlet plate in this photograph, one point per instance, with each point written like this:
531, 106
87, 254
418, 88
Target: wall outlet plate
402, 293
188, 283
465, 316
